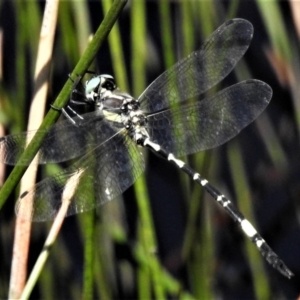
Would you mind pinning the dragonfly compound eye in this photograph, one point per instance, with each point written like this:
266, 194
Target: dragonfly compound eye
109, 85
92, 86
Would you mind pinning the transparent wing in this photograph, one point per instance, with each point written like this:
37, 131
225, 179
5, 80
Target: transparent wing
202, 69
210, 122
93, 180
64, 140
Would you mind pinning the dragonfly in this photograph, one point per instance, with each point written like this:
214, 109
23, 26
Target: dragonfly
107, 143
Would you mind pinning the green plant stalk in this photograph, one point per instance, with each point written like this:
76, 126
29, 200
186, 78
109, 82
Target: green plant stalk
81, 16
199, 241
139, 50
187, 28
81, 35
208, 17
102, 262
117, 52
233, 9
18, 96
193, 211
63, 97
89, 255
206, 253
243, 195
144, 270
70, 44
283, 47
46, 283
279, 38
148, 239
166, 33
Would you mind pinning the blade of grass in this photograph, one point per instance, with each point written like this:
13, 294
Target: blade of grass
89, 255
284, 51
81, 16
139, 41
117, 53
166, 33
69, 40
38, 267
265, 127
22, 229
243, 194
117, 230
103, 263
87, 221
270, 11
198, 243
18, 94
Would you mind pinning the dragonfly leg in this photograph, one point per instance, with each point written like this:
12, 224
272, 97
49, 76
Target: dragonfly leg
66, 114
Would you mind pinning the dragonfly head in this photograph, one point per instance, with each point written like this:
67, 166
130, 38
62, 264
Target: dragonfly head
99, 87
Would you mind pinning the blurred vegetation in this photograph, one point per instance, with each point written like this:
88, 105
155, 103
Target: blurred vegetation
166, 238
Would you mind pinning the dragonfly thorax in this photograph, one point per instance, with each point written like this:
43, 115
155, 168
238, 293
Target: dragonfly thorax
134, 120
117, 106
129, 105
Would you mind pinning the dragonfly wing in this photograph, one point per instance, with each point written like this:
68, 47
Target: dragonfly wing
202, 69
63, 141
96, 178
210, 122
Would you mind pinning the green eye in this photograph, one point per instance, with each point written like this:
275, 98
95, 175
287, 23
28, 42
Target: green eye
92, 84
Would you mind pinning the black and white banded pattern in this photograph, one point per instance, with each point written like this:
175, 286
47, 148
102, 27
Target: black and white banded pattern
230, 208
108, 141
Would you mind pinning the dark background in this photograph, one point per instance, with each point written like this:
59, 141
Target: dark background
270, 157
